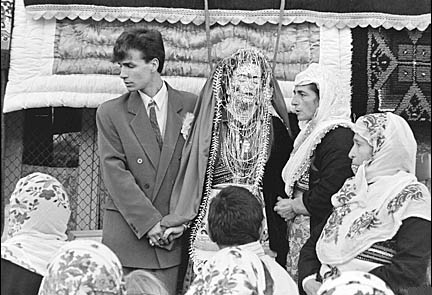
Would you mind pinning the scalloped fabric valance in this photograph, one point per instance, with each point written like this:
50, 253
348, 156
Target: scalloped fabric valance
396, 14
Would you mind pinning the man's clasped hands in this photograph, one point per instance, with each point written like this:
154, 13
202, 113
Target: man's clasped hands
163, 237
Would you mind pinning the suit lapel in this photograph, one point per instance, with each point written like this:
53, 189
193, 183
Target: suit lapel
140, 124
172, 131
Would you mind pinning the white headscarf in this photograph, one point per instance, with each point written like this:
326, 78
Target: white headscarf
354, 283
83, 267
371, 206
233, 271
39, 213
334, 110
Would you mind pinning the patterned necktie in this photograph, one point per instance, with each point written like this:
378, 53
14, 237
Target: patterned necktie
154, 122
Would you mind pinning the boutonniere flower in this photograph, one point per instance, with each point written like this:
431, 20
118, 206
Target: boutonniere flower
187, 123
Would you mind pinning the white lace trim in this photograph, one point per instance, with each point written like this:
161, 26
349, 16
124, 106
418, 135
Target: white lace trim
223, 17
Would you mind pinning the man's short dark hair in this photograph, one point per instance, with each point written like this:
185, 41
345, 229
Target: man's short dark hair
148, 42
235, 217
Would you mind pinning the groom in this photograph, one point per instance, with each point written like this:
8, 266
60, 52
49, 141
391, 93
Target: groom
140, 144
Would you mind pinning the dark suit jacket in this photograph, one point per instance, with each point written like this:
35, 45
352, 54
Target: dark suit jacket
138, 176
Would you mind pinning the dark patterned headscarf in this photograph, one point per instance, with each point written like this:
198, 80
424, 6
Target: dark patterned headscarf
84, 267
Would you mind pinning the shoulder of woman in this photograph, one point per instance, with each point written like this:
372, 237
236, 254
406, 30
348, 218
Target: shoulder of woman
340, 132
338, 138
415, 191
413, 200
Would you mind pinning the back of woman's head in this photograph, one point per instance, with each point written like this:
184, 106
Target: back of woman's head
142, 282
84, 267
39, 211
232, 271
39, 205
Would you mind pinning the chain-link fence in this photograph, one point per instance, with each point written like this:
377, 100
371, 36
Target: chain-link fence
60, 142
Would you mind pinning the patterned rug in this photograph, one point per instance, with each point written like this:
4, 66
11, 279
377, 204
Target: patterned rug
397, 66
391, 72
6, 30
6, 23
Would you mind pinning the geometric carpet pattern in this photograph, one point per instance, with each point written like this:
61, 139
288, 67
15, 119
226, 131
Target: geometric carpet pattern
398, 73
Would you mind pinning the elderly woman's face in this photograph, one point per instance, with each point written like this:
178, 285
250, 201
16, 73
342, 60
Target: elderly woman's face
305, 102
246, 82
361, 150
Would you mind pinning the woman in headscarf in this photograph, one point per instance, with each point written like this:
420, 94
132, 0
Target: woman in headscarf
236, 271
319, 163
229, 143
354, 283
142, 281
84, 267
38, 216
381, 218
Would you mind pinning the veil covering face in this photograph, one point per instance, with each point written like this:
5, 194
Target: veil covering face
198, 160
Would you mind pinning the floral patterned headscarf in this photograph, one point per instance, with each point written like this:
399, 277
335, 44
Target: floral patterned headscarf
354, 283
38, 215
371, 206
84, 267
232, 271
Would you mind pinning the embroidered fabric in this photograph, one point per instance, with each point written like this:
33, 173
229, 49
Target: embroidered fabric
380, 252
243, 269
221, 174
354, 283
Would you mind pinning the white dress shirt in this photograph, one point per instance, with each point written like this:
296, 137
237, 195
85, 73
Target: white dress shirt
161, 107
